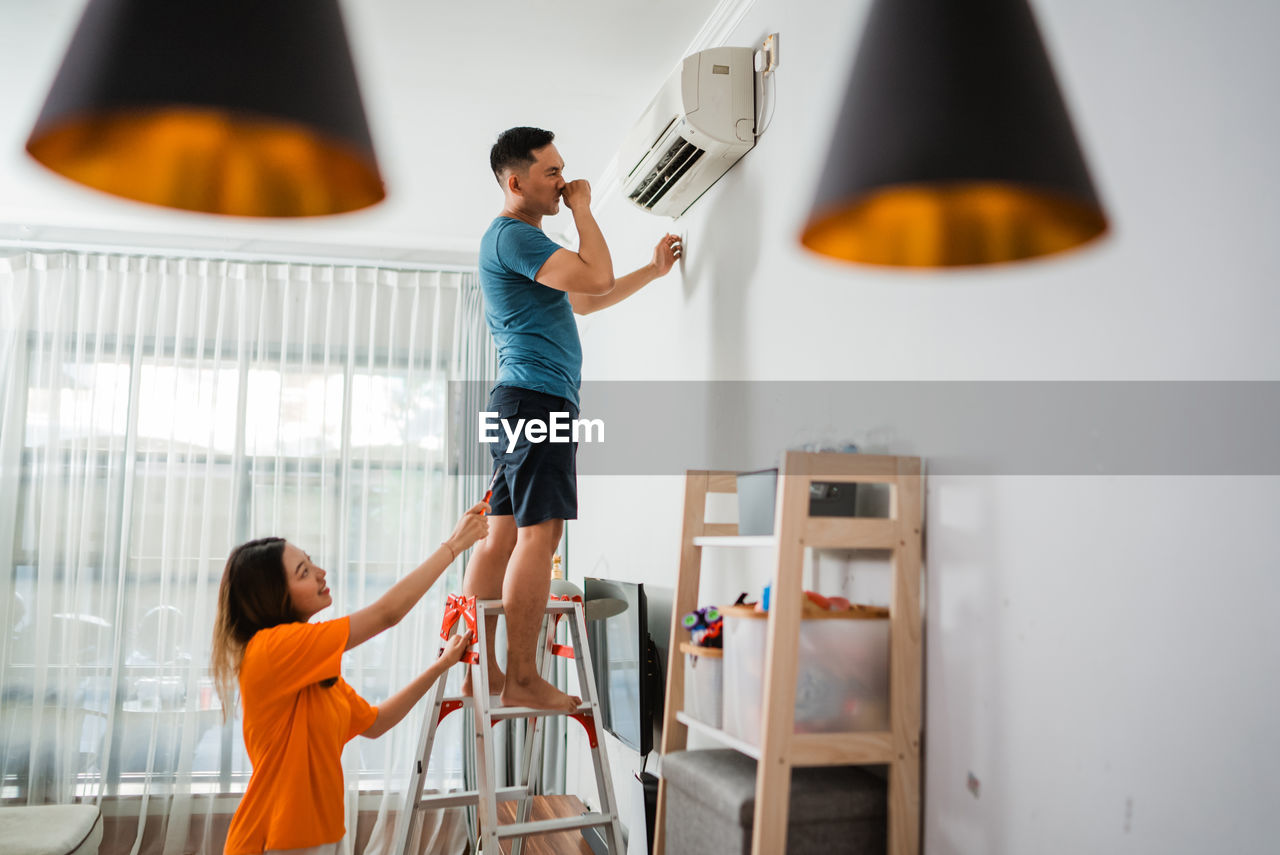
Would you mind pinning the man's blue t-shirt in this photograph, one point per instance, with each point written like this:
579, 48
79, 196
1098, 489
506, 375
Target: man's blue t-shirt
531, 324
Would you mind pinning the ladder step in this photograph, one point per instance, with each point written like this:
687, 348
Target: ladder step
464, 798
494, 607
503, 713
545, 826
467, 700
500, 713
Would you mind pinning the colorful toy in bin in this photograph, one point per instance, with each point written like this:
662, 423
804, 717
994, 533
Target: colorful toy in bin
705, 625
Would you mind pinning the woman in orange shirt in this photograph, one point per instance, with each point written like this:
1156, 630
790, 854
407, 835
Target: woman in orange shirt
298, 711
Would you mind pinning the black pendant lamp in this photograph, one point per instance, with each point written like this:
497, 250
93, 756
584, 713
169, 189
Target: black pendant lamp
953, 146
243, 107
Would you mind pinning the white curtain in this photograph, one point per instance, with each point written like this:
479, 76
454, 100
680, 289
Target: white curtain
156, 412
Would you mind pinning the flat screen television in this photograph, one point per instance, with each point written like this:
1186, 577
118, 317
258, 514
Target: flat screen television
624, 659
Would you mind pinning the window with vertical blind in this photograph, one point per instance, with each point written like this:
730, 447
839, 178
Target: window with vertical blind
159, 411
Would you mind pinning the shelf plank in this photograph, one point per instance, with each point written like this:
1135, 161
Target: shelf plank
810, 749
739, 541
841, 749
725, 739
690, 649
821, 533
852, 533
838, 466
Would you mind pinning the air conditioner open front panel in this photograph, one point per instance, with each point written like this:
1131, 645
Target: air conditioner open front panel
671, 159
696, 182
690, 135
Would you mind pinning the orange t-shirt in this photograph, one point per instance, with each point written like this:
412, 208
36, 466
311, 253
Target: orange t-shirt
294, 730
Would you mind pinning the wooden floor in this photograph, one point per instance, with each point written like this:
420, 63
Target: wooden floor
549, 807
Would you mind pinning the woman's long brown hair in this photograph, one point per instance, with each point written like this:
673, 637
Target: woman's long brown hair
253, 595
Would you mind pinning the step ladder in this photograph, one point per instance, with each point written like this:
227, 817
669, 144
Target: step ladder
484, 799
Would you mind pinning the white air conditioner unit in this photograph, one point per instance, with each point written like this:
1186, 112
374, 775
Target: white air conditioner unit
698, 125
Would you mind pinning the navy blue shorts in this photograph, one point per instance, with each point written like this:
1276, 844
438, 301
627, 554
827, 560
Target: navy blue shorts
539, 480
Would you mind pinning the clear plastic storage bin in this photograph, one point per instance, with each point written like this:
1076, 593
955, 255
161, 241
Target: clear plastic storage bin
703, 683
842, 682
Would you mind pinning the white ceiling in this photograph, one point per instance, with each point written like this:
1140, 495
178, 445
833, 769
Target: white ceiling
440, 81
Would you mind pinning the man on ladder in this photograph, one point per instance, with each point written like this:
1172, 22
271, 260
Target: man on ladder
532, 288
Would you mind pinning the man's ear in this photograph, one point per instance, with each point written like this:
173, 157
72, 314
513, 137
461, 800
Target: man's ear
512, 183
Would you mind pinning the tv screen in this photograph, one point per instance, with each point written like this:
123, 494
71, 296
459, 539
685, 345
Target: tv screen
622, 657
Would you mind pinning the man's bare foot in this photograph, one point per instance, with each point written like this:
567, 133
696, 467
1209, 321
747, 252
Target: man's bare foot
538, 694
496, 681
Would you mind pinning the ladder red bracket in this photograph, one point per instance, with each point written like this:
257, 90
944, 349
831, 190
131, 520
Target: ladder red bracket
585, 719
565, 650
447, 707
461, 606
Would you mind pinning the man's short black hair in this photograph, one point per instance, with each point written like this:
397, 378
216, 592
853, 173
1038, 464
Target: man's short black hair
515, 147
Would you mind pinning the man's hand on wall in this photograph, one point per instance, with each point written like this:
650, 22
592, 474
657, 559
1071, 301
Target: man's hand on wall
667, 253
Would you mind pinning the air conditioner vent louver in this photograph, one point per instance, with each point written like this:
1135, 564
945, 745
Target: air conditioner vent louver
674, 163
697, 126
656, 142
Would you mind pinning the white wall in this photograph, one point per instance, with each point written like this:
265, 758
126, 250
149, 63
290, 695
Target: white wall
1101, 650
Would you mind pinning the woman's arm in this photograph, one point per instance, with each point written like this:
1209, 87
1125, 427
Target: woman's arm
389, 609
396, 707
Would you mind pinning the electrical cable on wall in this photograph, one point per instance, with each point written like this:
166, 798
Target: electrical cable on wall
766, 62
766, 100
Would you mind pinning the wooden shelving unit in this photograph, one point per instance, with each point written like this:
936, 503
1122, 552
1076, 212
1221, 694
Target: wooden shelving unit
781, 748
